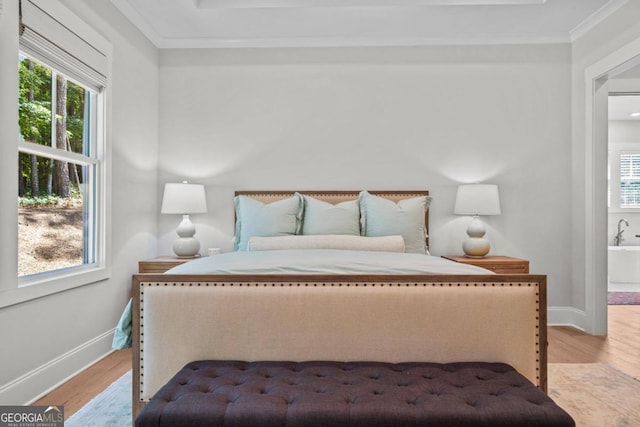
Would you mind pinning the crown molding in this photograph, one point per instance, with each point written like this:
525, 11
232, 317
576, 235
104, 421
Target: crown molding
592, 21
138, 21
320, 42
250, 4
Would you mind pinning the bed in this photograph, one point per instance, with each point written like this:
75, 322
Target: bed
210, 324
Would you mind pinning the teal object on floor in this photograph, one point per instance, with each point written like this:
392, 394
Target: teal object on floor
122, 335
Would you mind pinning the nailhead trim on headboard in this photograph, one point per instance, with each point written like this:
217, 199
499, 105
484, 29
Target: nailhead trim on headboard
144, 285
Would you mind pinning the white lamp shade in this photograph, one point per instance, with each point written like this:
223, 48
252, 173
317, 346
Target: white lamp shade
477, 199
183, 198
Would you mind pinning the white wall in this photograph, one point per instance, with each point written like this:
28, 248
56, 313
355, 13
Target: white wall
380, 118
44, 341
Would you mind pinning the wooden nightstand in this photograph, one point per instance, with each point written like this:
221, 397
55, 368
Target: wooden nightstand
160, 264
497, 264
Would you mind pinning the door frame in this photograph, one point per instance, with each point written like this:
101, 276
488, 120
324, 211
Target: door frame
595, 201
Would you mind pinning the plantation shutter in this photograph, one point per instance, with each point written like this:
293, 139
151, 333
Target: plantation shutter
630, 180
42, 36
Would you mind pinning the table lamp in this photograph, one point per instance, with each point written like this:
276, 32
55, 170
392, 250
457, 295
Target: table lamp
476, 200
184, 198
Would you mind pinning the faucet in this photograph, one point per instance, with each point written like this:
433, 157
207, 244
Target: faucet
618, 238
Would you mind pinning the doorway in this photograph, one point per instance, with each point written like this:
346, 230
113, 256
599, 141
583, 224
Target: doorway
597, 80
623, 225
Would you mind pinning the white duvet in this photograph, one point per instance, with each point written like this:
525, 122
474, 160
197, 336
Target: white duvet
324, 261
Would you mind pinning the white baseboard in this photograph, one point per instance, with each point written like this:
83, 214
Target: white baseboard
566, 316
34, 384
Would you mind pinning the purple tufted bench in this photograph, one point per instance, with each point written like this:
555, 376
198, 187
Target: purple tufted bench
335, 394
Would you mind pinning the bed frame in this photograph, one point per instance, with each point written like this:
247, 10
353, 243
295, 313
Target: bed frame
388, 318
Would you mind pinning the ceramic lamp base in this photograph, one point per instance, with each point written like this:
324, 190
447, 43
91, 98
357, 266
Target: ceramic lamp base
186, 246
476, 246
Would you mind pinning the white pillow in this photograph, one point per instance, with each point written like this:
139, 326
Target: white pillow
343, 241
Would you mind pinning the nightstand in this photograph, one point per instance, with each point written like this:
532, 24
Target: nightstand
160, 264
497, 264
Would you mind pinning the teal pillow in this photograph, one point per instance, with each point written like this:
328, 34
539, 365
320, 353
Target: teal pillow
325, 218
254, 218
383, 217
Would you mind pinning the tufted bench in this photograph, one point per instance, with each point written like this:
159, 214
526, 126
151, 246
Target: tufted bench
334, 394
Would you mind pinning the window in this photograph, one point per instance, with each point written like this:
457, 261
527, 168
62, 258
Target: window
624, 178
62, 67
630, 179
57, 170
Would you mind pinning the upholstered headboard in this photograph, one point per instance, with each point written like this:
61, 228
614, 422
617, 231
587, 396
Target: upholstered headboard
421, 318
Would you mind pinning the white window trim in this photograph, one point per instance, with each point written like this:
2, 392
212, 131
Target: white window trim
47, 283
56, 153
615, 149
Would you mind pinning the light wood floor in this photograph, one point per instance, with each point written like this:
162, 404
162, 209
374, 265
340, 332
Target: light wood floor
79, 390
620, 349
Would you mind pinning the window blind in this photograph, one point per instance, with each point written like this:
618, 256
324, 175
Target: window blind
630, 180
630, 166
41, 36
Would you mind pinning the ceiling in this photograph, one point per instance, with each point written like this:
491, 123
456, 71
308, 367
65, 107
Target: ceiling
308, 23
622, 106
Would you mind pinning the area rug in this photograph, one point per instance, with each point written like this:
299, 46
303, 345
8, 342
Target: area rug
624, 298
111, 408
595, 394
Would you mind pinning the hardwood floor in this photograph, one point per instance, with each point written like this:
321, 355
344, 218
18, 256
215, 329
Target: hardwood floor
79, 390
620, 349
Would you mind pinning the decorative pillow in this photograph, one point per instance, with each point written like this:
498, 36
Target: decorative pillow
383, 217
328, 241
254, 218
324, 218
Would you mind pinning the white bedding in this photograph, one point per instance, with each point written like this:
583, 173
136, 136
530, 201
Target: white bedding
327, 241
324, 261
